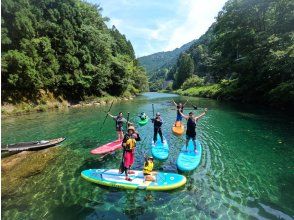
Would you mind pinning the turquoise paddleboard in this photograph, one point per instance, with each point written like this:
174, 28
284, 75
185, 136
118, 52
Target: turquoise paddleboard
112, 178
143, 122
188, 161
160, 150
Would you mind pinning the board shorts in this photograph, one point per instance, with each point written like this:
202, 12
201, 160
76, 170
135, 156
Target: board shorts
189, 136
119, 128
179, 118
128, 159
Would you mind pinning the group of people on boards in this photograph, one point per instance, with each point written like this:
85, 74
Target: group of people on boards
129, 140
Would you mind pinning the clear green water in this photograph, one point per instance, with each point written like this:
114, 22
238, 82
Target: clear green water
246, 170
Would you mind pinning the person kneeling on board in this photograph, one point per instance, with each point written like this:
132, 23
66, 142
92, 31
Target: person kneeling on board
119, 122
157, 128
129, 145
143, 116
148, 167
191, 127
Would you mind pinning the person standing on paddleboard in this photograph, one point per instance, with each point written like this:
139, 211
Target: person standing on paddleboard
119, 121
157, 128
129, 145
180, 109
191, 127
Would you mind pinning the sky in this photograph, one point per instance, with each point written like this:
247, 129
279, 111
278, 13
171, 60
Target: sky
160, 25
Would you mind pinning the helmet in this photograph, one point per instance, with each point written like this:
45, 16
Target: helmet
151, 158
157, 114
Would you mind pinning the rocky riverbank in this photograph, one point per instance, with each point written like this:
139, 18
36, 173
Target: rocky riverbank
18, 167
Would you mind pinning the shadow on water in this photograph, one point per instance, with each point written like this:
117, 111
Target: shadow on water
66, 212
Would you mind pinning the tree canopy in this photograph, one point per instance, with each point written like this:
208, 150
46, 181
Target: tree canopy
65, 47
251, 46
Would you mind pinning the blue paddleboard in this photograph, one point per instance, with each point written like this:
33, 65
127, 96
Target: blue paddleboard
160, 150
189, 160
112, 178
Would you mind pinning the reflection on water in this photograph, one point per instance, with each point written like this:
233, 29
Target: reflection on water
246, 169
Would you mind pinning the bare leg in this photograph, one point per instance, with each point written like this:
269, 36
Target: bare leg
120, 135
195, 148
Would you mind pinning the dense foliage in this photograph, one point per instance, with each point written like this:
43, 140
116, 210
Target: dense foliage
251, 46
65, 47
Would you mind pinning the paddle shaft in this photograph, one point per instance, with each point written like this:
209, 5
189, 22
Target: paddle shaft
107, 113
127, 121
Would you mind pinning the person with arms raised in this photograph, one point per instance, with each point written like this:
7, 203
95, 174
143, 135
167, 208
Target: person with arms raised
191, 127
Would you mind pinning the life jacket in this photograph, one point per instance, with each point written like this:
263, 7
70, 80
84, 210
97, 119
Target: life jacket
191, 127
119, 122
148, 167
130, 144
157, 124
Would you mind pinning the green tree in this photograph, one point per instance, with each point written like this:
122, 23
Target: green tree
185, 69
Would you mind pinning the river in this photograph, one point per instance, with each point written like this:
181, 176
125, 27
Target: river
246, 171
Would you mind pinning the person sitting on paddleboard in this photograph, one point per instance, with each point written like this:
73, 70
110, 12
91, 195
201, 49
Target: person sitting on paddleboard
143, 116
119, 121
147, 170
129, 145
191, 127
180, 109
157, 128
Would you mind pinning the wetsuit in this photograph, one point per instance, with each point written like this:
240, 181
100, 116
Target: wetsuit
157, 128
191, 129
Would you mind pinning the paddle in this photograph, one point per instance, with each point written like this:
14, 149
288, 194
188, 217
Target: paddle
128, 117
153, 109
107, 113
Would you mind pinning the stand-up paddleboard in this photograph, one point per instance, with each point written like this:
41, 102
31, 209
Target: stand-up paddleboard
189, 160
107, 148
160, 150
143, 122
112, 178
178, 128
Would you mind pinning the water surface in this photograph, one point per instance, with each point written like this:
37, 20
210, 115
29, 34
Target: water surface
246, 170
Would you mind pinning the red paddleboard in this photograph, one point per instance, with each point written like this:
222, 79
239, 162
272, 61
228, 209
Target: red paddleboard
107, 148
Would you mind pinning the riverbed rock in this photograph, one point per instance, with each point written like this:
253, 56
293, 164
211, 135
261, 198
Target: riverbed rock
18, 167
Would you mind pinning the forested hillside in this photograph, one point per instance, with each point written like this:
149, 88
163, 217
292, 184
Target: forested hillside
157, 65
248, 55
64, 47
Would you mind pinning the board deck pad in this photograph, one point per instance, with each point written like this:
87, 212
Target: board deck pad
107, 148
112, 178
190, 160
178, 128
160, 150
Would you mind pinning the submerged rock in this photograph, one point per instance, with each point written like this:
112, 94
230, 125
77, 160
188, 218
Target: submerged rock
18, 167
